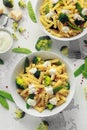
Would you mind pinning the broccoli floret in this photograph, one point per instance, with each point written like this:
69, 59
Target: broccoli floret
43, 43
43, 126
64, 50
63, 18
37, 73
50, 106
8, 3
15, 26
26, 64
21, 29
14, 36
47, 80
36, 59
78, 22
22, 4
20, 83
19, 113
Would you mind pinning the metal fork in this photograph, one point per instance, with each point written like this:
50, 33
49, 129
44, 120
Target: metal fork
74, 50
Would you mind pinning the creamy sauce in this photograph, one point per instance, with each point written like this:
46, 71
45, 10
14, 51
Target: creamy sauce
5, 41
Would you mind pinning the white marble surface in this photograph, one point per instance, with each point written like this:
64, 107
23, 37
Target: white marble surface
74, 117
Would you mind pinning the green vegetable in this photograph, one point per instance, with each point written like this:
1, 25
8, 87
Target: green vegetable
37, 73
20, 83
15, 25
6, 95
85, 66
74, 26
84, 73
21, 50
47, 80
27, 106
79, 8
63, 18
47, 9
50, 106
8, 3
22, 4
31, 12
26, 64
56, 89
19, 113
85, 41
64, 50
1, 62
67, 86
4, 103
31, 96
43, 126
79, 70
14, 36
78, 22
43, 43
36, 59
21, 29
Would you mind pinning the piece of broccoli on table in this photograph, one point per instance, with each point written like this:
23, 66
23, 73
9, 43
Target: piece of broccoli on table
8, 3
21, 29
43, 126
43, 43
14, 36
19, 113
22, 4
15, 25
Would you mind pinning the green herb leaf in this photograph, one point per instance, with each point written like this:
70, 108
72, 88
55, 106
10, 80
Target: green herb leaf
21, 50
31, 12
1, 62
6, 95
4, 103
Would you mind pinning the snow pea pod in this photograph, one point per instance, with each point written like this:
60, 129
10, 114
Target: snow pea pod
6, 95
21, 50
31, 12
4, 103
79, 70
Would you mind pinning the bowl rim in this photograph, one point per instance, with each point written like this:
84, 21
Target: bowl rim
83, 33
30, 111
9, 47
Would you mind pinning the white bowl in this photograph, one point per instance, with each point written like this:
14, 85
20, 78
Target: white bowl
21, 103
6, 40
38, 5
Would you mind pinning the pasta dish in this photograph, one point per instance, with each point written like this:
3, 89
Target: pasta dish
44, 84
64, 18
